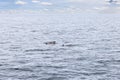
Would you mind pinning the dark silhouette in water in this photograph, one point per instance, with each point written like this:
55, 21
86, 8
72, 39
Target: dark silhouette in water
111, 1
50, 43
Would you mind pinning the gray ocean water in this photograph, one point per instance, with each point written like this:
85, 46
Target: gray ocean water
87, 46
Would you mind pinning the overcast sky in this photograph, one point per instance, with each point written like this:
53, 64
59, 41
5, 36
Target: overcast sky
51, 4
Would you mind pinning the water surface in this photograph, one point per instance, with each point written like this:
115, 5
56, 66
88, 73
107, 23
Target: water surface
87, 46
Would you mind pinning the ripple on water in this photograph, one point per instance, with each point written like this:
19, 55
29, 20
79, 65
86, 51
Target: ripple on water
21, 69
54, 78
4, 42
44, 50
108, 61
15, 47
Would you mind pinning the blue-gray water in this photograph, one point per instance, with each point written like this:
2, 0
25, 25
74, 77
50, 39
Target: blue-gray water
87, 46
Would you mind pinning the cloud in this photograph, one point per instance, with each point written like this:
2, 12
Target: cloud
20, 2
42, 3
87, 1
46, 3
76, 0
35, 1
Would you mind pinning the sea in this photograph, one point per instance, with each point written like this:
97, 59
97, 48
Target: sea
59, 46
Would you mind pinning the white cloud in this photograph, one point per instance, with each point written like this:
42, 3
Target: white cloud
20, 2
46, 3
87, 1
76, 0
35, 1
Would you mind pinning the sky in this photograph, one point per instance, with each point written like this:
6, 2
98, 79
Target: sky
52, 4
